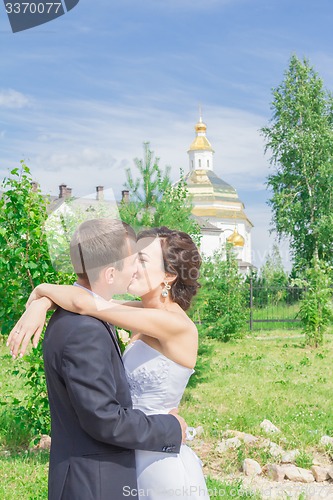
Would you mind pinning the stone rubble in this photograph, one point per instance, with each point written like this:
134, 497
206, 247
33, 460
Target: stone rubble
268, 426
251, 467
326, 441
228, 444
289, 457
44, 443
285, 470
320, 473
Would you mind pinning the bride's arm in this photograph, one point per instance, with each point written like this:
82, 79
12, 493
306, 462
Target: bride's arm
152, 322
37, 293
30, 324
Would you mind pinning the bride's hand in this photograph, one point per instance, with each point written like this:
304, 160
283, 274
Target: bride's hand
29, 325
35, 295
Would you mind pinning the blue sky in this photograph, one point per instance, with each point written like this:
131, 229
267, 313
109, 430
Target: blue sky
79, 95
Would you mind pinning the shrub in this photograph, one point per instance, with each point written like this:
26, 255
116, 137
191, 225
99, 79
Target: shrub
222, 301
316, 311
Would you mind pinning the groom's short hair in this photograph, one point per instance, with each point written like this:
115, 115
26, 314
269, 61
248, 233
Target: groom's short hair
98, 243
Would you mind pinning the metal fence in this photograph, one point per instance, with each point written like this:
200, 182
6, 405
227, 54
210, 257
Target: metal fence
271, 308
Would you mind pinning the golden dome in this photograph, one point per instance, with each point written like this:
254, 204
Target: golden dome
201, 142
236, 239
200, 126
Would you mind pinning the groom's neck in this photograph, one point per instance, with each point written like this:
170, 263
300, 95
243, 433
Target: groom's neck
97, 288
84, 283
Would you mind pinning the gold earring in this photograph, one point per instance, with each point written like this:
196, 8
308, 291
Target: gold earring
165, 291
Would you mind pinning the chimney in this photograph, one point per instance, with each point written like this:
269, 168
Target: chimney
99, 193
34, 186
62, 190
125, 196
68, 192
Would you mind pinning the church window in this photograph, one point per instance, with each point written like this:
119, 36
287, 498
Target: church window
199, 163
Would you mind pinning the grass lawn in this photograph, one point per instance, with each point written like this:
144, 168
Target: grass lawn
272, 376
236, 386
24, 476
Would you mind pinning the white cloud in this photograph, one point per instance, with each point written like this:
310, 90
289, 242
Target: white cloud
12, 99
93, 140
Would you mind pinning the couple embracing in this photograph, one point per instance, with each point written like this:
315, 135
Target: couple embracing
115, 429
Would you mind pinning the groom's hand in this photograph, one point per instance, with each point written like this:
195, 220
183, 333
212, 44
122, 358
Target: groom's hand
181, 421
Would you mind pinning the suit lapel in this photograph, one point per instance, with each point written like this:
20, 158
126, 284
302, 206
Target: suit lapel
112, 333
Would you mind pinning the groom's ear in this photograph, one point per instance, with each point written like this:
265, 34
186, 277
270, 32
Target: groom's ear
109, 273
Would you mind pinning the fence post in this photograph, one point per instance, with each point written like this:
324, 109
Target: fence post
251, 304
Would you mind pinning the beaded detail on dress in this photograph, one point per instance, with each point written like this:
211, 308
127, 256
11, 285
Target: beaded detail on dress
144, 379
156, 382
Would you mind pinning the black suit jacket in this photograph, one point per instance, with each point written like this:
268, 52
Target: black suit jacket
94, 428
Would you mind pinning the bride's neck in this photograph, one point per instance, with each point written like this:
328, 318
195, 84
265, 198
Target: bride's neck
155, 301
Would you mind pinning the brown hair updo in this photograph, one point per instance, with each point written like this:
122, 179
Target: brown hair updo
182, 258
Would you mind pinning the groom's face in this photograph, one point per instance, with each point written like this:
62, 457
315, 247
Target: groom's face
122, 277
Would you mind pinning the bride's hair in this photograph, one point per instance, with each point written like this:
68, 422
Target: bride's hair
181, 257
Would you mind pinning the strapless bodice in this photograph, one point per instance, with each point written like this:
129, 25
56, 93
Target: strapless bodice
156, 382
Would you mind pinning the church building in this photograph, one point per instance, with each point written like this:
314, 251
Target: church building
216, 205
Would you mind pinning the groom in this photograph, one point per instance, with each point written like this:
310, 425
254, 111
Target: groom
95, 430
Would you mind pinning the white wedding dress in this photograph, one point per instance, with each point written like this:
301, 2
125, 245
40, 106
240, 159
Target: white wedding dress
157, 384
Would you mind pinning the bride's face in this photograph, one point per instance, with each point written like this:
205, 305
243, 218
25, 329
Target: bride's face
150, 269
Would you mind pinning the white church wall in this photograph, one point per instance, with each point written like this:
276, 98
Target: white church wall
201, 160
209, 244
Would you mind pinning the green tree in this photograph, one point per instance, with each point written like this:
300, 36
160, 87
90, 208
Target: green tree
24, 259
174, 210
270, 284
154, 200
146, 190
300, 141
24, 263
221, 305
272, 272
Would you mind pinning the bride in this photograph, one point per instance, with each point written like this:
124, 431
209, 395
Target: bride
162, 352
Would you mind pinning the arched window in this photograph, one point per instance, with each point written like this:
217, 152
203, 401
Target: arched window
199, 163
207, 163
